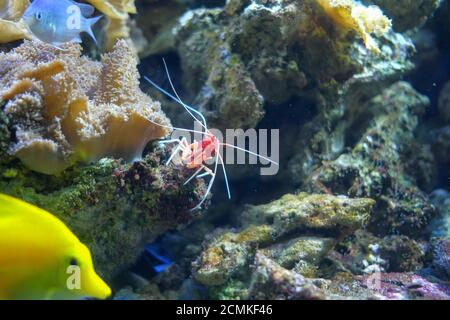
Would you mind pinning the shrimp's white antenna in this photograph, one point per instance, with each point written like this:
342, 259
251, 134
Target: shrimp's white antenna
188, 108
177, 98
161, 89
250, 152
180, 102
178, 129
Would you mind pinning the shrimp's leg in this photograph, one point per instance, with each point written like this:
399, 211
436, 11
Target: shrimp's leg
193, 176
164, 142
208, 172
177, 149
224, 174
211, 182
175, 152
169, 141
182, 145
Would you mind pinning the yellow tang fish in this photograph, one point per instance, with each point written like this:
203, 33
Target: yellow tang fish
40, 258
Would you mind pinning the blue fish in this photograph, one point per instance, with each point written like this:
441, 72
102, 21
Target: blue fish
59, 21
154, 250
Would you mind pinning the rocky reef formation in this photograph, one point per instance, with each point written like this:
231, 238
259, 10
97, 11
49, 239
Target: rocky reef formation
444, 102
362, 145
66, 108
296, 232
382, 164
255, 53
441, 134
364, 157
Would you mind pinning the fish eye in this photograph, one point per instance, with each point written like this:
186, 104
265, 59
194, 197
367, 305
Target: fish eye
73, 262
38, 15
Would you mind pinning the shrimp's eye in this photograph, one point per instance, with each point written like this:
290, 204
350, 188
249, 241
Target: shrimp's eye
38, 16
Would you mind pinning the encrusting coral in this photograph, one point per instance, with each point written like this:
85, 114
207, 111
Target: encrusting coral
355, 16
67, 108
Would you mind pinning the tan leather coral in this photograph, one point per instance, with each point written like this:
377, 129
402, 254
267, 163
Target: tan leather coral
115, 9
12, 27
67, 108
117, 12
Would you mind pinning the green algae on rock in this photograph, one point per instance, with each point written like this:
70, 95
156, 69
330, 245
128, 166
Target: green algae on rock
5, 138
302, 254
115, 208
364, 253
439, 254
280, 230
376, 167
229, 91
269, 281
317, 211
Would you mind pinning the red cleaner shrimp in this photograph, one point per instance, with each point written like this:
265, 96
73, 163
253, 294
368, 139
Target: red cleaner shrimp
194, 156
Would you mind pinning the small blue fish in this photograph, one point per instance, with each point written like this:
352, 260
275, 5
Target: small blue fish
154, 250
59, 21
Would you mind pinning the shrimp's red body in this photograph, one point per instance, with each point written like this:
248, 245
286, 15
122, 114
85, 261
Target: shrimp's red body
196, 154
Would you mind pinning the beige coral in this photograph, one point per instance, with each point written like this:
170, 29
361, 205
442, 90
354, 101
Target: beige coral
117, 29
117, 12
68, 108
12, 27
365, 21
115, 9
